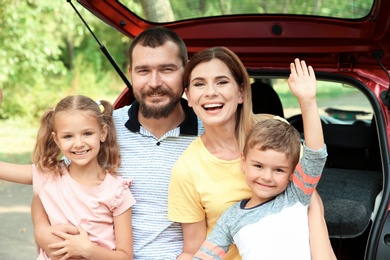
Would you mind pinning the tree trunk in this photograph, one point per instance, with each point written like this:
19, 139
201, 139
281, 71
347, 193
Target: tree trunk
157, 10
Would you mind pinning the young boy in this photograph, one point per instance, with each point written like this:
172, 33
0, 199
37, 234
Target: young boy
273, 223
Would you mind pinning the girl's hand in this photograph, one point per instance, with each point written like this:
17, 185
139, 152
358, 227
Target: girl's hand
73, 245
302, 80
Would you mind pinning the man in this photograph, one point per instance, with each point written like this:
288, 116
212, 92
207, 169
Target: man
152, 133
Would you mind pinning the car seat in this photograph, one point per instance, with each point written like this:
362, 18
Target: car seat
265, 100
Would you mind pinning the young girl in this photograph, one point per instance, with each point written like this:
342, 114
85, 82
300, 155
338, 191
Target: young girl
85, 193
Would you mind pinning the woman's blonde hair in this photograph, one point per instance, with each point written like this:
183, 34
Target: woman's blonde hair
47, 154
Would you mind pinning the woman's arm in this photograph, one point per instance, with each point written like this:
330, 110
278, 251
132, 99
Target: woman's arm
193, 236
320, 246
81, 245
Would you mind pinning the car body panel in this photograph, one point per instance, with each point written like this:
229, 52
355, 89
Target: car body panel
335, 43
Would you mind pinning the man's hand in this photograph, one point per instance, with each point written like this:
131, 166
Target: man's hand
71, 245
43, 231
51, 238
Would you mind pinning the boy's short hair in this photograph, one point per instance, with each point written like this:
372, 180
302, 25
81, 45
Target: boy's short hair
276, 135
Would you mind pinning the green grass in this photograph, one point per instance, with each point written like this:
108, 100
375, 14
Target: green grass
17, 139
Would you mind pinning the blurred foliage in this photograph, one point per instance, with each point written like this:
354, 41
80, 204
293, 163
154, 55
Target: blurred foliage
48, 53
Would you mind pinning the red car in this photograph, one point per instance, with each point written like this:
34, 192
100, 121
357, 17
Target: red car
348, 44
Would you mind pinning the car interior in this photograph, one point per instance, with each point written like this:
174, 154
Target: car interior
352, 180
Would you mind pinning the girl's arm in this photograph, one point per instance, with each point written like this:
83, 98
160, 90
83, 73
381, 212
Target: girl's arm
75, 245
17, 173
193, 234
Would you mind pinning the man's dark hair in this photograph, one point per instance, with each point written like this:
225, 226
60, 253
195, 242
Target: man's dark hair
156, 36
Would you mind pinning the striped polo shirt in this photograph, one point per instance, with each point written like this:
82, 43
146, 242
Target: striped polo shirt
148, 162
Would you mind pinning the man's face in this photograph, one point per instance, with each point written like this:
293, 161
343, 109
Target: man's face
156, 75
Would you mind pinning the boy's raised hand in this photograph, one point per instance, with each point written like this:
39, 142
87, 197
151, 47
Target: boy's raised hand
302, 80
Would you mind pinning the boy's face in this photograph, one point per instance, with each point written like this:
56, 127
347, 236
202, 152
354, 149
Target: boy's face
267, 174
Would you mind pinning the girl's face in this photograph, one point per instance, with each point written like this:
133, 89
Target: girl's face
213, 93
78, 135
267, 173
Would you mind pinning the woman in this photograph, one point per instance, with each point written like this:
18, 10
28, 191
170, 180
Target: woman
207, 178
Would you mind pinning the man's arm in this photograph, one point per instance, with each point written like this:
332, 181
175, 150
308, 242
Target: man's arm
43, 231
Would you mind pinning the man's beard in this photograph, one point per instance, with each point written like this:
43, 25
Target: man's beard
161, 111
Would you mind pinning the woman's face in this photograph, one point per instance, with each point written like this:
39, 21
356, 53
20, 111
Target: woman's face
213, 93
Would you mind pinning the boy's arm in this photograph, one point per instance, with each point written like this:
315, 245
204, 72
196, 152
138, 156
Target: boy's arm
302, 83
219, 240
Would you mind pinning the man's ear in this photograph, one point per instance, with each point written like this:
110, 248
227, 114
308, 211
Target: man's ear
130, 76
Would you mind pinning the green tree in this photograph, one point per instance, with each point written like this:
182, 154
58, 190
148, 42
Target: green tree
45, 48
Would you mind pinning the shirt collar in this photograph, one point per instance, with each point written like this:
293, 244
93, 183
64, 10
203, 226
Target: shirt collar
188, 127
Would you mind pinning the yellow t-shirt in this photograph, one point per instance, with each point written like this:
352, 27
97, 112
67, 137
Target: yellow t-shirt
203, 186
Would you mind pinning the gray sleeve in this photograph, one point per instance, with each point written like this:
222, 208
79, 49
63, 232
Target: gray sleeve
219, 239
308, 173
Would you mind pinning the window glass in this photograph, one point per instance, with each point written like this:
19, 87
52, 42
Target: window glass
338, 101
163, 11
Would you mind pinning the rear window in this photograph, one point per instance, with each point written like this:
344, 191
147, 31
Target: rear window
163, 11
